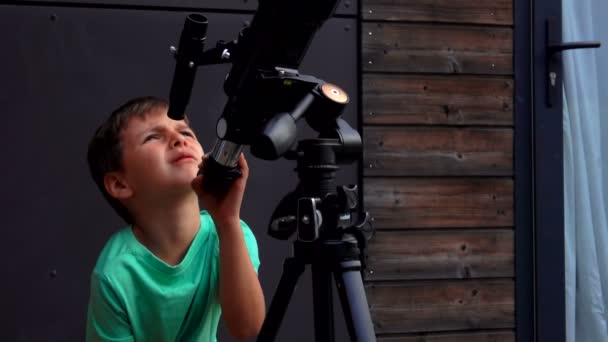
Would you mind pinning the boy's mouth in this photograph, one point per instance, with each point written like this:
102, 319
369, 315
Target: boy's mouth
183, 157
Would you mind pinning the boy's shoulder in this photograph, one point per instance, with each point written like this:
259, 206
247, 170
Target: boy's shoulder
119, 248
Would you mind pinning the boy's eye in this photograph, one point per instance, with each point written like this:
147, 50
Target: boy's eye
188, 133
150, 137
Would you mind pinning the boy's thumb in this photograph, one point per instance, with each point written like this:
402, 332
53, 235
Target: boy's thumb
197, 183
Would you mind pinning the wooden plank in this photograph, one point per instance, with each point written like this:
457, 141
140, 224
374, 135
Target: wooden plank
477, 336
444, 100
493, 12
441, 306
439, 202
437, 151
412, 255
431, 48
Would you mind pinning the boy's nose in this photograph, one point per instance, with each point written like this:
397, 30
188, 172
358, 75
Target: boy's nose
178, 140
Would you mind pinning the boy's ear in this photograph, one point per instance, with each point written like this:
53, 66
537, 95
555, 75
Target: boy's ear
117, 186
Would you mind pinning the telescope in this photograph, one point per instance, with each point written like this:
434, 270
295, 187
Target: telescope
267, 96
266, 93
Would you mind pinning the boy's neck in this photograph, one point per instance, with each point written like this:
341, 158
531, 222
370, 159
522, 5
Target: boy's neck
167, 229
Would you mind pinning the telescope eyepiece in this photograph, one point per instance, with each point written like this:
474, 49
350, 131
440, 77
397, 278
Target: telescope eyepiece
187, 59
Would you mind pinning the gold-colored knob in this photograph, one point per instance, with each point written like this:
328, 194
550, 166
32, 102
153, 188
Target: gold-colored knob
334, 93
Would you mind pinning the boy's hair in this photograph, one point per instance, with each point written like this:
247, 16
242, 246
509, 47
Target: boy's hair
105, 148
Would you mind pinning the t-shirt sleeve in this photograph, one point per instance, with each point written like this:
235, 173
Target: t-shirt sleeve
252, 245
106, 319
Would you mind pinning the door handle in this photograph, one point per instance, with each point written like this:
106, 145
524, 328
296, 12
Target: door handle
554, 46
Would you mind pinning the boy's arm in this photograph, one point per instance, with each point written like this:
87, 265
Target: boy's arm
241, 295
106, 320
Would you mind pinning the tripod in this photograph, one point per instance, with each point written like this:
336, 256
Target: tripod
326, 241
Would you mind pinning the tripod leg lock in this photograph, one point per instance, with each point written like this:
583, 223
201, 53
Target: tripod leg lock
347, 266
361, 244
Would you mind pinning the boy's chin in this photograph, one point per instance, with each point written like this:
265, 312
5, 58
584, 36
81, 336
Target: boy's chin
182, 184
185, 176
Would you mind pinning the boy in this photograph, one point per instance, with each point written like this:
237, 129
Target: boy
169, 275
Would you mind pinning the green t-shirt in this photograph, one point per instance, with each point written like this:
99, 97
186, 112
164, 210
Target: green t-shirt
137, 297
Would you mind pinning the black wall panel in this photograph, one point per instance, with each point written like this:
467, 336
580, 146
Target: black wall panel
345, 7
62, 70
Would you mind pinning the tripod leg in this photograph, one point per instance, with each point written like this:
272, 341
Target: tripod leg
292, 270
323, 303
354, 302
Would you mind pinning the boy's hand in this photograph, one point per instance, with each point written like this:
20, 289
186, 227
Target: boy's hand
241, 295
224, 210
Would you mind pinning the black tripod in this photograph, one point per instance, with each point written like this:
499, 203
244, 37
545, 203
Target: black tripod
327, 240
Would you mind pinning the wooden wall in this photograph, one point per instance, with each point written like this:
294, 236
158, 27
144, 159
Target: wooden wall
438, 168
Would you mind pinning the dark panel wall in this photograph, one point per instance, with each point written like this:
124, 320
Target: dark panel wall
346, 7
63, 70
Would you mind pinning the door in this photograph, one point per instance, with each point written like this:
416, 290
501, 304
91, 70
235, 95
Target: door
547, 166
539, 197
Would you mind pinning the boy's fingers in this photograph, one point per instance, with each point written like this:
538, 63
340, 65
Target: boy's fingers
200, 165
197, 183
243, 161
243, 165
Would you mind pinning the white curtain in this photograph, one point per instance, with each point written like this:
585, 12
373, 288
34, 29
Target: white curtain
586, 171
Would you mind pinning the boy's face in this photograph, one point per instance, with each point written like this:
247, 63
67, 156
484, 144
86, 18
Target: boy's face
159, 154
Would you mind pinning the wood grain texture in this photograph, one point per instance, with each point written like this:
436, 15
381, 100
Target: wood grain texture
441, 306
438, 136
493, 12
478, 336
432, 100
414, 255
431, 151
428, 48
439, 202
